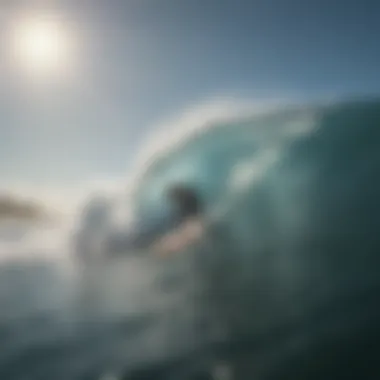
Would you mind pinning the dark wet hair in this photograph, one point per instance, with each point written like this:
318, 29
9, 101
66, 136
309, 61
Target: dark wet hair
186, 200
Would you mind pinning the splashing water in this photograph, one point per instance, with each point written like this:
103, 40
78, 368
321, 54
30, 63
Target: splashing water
282, 268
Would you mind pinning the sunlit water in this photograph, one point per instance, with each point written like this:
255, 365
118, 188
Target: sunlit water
287, 262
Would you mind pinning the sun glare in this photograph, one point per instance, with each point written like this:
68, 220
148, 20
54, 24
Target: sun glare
40, 45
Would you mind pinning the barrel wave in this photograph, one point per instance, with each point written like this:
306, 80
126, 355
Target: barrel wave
275, 277
289, 260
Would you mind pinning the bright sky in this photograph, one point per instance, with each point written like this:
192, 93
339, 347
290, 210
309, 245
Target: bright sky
82, 82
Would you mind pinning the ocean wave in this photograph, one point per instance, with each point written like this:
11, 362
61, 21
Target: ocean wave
286, 260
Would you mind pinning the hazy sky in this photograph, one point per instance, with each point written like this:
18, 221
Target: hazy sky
135, 63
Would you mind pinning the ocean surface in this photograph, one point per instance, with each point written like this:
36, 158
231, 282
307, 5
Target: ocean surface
281, 280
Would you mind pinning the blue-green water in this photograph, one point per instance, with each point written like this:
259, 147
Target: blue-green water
283, 284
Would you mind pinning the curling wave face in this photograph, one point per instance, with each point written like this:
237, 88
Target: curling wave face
288, 260
275, 278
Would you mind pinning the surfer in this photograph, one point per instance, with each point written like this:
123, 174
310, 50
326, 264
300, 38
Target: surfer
188, 219
211, 264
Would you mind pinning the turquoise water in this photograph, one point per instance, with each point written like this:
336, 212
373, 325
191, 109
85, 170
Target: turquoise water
282, 284
292, 202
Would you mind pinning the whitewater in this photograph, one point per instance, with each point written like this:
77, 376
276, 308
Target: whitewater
279, 281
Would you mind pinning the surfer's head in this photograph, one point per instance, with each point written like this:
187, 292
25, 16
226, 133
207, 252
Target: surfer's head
185, 200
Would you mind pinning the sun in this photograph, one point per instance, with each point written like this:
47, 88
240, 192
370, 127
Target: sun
40, 45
